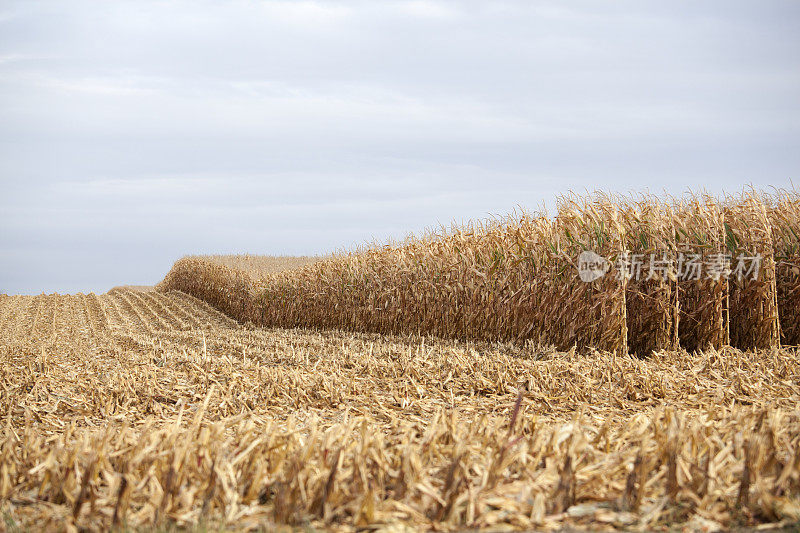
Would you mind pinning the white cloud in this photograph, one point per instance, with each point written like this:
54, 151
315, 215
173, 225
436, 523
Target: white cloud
427, 9
9, 59
99, 85
306, 14
203, 126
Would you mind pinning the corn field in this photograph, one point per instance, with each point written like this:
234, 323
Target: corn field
464, 379
259, 266
517, 279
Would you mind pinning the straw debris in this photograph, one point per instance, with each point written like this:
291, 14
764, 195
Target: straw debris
152, 409
468, 378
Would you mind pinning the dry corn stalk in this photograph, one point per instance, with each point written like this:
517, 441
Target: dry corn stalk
517, 278
753, 300
784, 216
587, 314
651, 292
702, 300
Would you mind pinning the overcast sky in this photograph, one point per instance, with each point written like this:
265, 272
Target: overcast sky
134, 133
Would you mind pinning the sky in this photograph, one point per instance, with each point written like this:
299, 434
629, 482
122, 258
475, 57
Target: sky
133, 133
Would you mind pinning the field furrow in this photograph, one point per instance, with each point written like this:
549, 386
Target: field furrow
159, 304
23, 322
9, 310
120, 376
54, 327
134, 302
95, 316
170, 302
5, 307
131, 317
71, 327
114, 317
154, 314
203, 313
17, 320
36, 312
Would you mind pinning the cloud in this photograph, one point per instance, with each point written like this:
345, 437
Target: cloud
147, 130
427, 9
306, 14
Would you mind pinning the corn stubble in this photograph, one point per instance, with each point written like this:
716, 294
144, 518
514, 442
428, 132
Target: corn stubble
152, 409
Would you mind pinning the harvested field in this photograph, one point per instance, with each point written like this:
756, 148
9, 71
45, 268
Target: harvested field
556, 402
152, 409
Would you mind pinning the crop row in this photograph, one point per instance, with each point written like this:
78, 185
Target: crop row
696, 271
